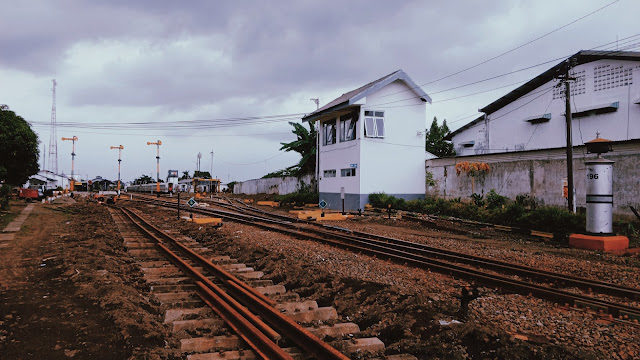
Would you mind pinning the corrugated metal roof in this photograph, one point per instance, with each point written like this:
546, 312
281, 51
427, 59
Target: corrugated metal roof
352, 96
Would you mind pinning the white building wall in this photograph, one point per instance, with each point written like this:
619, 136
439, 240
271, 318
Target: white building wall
603, 83
393, 164
340, 156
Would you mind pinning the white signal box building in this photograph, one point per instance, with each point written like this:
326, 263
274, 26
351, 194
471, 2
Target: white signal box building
371, 140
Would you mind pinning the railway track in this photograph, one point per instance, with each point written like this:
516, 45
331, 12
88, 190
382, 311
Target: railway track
482, 270
192, 282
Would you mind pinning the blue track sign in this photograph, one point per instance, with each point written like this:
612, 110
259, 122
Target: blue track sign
322, 204
192, 202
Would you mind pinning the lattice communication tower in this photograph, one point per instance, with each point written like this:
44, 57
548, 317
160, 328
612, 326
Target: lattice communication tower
53, 138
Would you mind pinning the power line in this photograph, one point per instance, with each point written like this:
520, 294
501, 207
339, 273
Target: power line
514, 49
252, 163
628, 47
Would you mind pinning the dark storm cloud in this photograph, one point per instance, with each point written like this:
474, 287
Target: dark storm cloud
271, 51
259, 49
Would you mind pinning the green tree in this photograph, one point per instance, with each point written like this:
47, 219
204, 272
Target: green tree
305, 145
201, 174
185, 175
435, 142
18, 147
19, 152
144, 179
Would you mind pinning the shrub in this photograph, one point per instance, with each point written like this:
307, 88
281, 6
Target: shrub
383, 200
298, 198
551, 219
477, 199
495, 200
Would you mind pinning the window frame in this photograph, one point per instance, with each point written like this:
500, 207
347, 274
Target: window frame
352, 120
331, 173
374, 124
329, 126
346, 172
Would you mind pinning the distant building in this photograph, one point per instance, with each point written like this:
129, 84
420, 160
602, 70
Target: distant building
371, 140
604, 99
521, 136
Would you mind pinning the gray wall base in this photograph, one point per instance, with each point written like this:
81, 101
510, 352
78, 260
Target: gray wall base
353, 202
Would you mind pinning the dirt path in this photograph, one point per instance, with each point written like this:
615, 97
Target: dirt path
63, 293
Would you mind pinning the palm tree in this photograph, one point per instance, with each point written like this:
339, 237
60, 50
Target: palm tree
305, 145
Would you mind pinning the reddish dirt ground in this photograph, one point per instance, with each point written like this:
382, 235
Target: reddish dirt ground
69, 290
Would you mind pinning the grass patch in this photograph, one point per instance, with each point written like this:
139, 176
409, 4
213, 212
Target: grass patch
15, 208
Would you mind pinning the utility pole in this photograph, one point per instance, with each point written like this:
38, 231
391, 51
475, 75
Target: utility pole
211, 176
73, 156
119, 160
566, 79
157, 143
317, 126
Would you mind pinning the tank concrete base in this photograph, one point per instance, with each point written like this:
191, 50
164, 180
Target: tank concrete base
602, 243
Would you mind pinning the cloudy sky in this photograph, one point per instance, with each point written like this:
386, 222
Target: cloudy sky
227, 76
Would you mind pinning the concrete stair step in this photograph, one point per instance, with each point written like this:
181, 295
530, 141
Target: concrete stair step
271, 290
294, 307
336, 330
288, 296
251, 275
242, 355
369, 345
222, 259
140, 245
259, 283
180, 314
209, 344
145, 254
175, 280
319, 314
183, 325
154, 263
173, 288
173, 297
233, 266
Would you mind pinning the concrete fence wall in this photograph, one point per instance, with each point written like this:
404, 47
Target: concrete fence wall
538, 174
279, 186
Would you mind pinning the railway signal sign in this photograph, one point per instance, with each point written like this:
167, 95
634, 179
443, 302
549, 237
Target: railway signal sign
322, 204
192, 202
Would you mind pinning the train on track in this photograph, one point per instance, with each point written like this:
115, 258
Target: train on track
165, 188
173, 184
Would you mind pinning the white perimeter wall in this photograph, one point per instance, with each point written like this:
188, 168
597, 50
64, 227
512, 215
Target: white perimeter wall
508, 130
279, 186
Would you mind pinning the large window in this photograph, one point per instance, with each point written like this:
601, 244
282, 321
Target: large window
347, 172
330, 173
374, 124
329, 131
348, 128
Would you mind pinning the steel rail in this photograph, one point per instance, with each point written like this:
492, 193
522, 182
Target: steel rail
235, 315
498, 265
222, 274
254, 300
525, 288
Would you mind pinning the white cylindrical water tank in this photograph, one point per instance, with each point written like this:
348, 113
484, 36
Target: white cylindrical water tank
599, 196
